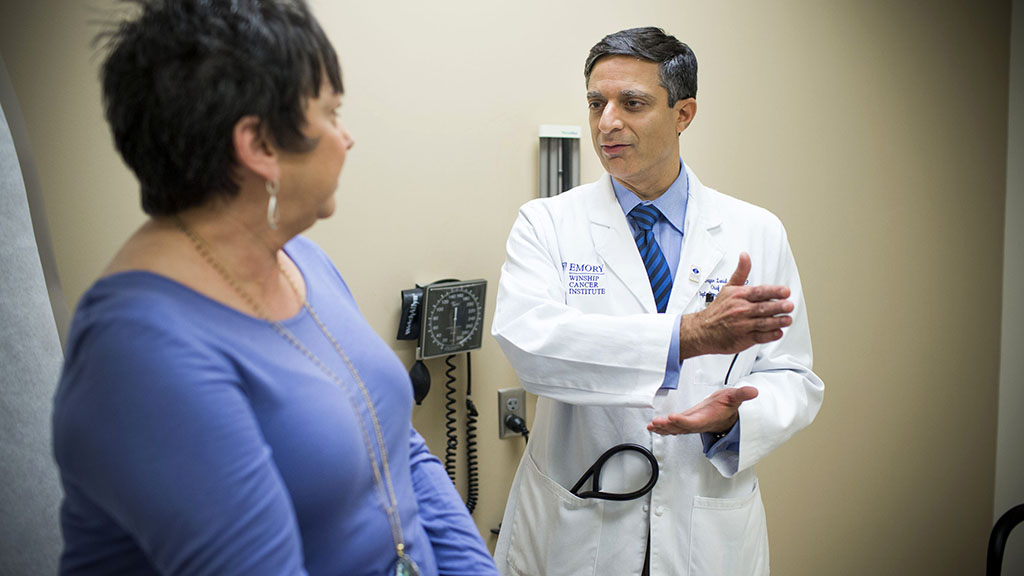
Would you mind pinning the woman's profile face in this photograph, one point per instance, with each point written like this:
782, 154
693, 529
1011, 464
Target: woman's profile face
310, 179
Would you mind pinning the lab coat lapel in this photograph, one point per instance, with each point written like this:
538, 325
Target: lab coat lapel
614, 243
701, 253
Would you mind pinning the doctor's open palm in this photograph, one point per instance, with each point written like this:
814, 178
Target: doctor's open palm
740, 317
716, 413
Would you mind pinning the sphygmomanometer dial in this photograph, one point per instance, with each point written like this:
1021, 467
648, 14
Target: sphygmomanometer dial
453, 317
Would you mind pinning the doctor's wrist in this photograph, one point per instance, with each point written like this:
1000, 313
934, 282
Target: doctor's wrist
691, 343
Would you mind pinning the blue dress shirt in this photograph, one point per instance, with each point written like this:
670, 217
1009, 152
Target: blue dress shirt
669, 231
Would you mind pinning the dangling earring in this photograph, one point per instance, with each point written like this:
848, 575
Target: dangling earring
273, 216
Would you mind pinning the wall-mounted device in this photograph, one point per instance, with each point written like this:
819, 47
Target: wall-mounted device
512, 413
559, 159
446, 318
453, 317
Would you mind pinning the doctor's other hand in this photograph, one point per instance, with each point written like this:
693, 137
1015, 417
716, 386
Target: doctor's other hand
715, 414
739, 317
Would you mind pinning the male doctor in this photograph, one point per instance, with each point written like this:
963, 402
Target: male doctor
647, 308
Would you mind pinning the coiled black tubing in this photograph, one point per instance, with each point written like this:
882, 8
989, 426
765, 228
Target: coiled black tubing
472, 469
452, 446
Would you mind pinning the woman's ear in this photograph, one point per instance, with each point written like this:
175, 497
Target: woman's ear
254, 149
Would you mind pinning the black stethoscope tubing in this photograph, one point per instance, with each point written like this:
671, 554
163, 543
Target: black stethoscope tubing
595, 471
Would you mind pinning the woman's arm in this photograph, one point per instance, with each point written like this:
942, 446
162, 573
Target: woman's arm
158, 446
453, 535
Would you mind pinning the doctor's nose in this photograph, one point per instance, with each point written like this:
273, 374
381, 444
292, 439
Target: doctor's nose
610, 119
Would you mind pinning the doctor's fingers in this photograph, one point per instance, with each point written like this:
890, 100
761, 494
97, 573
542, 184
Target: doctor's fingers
766, 337
739, 277
689, 422
758, 331
761, 293
770, 308
745, 312
766, 324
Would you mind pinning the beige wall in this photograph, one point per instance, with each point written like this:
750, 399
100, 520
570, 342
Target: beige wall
875, 130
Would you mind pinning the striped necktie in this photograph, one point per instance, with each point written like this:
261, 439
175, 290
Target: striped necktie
654, 260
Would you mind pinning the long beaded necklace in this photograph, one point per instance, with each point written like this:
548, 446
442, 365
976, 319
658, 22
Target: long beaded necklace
404, 566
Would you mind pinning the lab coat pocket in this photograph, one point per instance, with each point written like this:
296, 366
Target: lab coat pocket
554, 533
729, 536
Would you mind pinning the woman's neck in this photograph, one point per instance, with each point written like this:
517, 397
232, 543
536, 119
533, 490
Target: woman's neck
248, 249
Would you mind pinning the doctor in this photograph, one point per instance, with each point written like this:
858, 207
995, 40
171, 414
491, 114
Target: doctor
647, 308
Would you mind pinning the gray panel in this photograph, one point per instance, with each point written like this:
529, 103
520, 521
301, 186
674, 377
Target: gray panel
30, 361
547, 187
559, 165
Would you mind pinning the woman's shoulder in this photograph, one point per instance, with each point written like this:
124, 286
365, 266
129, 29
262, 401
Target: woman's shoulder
143, 314
131, 331
137, 295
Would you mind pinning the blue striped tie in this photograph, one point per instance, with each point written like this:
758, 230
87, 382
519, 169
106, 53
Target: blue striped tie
654, 260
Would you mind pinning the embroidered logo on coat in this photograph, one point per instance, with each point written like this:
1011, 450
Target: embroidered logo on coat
585, 279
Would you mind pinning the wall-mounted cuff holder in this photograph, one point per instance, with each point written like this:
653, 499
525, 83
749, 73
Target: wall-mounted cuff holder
559, 159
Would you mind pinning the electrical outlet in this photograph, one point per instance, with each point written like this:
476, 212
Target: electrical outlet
510, 401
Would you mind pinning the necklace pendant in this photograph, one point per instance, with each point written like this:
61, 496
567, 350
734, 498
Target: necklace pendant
406, 567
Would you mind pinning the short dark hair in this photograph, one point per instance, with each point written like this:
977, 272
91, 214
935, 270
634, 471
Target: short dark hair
677, 65
179, 75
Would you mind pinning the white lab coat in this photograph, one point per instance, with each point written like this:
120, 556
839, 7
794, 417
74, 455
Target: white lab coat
576, 318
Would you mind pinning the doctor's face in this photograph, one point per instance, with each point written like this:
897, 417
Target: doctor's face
635, 132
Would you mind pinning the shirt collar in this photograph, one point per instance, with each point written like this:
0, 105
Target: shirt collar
671, 204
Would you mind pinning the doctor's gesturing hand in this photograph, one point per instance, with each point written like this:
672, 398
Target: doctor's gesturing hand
740, 317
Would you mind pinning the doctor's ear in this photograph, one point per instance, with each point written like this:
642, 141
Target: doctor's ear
685, 110
253, 147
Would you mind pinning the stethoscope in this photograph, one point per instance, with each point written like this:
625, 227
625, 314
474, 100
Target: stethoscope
595, 470
595, 473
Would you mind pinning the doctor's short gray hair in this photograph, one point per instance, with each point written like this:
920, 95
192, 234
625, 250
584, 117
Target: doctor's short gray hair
677, 65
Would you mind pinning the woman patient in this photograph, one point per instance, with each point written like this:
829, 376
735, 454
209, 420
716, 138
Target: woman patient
224, 408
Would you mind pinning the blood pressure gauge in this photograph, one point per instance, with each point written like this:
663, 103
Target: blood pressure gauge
452, 317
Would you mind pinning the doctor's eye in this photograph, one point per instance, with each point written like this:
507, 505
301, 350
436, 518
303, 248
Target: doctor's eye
595, 105
634, 104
